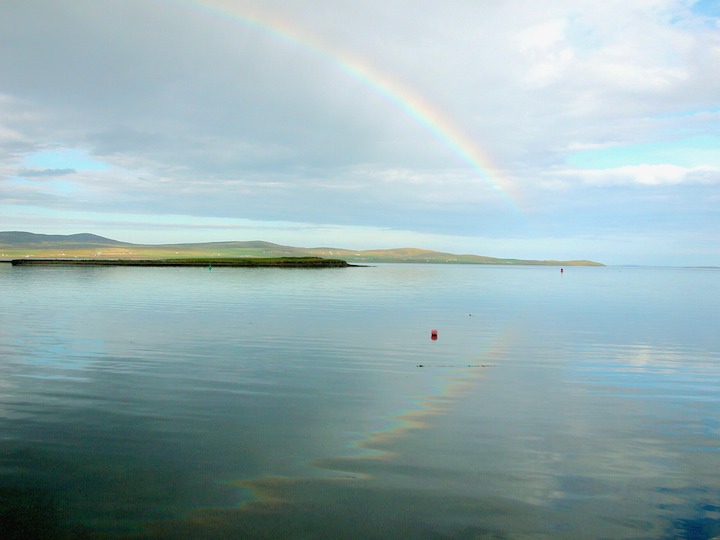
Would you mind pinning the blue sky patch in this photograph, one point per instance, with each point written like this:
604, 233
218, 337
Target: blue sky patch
709, 8
691, 152
78, 160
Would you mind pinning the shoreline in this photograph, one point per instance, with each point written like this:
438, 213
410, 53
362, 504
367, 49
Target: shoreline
279, 262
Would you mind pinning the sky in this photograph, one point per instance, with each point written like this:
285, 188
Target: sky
537, 129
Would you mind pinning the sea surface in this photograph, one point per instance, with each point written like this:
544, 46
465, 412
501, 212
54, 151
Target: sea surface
275, 403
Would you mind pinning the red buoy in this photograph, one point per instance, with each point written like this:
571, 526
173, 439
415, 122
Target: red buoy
433, 334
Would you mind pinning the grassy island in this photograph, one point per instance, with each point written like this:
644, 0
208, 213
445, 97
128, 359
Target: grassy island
270, 262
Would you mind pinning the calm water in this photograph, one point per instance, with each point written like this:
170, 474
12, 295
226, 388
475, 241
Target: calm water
262, 403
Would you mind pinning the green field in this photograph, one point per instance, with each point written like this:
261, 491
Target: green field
210, 262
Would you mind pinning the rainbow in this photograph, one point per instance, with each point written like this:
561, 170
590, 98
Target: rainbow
402, 97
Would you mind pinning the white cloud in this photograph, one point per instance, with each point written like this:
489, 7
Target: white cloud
647, 175
546, 51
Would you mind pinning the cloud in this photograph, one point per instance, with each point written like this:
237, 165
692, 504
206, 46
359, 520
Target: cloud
646, 175
34, 173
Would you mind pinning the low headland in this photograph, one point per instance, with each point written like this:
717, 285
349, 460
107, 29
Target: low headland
274, 262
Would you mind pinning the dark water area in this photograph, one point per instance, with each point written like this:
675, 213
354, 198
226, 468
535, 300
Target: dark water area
273, 403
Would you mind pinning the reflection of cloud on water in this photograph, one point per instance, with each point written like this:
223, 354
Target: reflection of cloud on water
566, 484
355, 509
57, 358
354, 501
644, 357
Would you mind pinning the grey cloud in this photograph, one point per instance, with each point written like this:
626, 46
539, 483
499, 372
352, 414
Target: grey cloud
36, 173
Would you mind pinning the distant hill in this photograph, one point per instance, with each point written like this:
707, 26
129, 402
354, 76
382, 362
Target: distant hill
15, 244
22, 239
